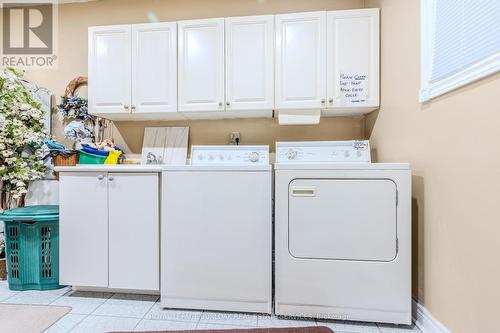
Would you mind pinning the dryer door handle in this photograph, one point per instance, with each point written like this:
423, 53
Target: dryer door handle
303, 191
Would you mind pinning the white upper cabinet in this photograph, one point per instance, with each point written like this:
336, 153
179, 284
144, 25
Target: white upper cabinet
301, 60
109, 69
353, 59
236, 67
154, 68
201, 65
250, 63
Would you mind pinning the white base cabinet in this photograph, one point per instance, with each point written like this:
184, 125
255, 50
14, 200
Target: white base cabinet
109, 230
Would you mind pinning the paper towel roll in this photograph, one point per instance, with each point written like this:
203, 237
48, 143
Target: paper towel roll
299, 117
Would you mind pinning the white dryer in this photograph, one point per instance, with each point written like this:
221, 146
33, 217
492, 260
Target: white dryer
216, 230
343, 233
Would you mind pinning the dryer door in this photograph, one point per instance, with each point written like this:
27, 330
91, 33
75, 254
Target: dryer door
343, 219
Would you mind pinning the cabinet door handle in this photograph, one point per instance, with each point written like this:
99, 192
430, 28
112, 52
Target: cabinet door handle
133, 108
330, 101
111, 178
323, 101
100, 177
228, 103
125, 106
220, 104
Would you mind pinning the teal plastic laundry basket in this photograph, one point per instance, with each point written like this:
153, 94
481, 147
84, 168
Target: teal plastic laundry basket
32, 247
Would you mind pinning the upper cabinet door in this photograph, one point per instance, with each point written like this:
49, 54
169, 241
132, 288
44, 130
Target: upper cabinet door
201, 65
109, 71
250, 63
353, 58
154, 67
301, 60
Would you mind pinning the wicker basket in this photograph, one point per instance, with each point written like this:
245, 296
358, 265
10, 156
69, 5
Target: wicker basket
70, 160
3, 270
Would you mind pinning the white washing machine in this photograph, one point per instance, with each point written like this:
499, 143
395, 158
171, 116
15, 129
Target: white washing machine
216, 230
343, 233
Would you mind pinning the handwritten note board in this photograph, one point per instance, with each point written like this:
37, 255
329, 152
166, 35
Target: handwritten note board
353, 88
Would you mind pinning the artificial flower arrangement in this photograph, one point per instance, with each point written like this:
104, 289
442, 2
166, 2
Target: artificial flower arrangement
22, 135
74, 107
80, 129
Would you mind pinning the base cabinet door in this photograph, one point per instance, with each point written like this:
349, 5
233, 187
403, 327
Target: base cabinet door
83, 229
134, 231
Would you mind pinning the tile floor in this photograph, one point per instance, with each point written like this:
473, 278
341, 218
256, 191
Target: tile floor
96, 312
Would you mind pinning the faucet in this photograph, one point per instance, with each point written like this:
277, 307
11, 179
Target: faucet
151, 158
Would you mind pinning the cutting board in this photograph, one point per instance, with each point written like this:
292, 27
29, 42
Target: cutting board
165, 145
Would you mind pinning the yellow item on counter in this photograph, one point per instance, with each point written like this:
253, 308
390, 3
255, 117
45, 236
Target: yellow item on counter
113, 157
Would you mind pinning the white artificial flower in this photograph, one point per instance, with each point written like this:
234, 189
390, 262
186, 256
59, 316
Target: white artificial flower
21, 124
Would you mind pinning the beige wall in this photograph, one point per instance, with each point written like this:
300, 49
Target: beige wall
452, 145
74, 19
450, 142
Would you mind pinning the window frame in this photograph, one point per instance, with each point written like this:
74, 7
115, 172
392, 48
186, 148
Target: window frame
476, 71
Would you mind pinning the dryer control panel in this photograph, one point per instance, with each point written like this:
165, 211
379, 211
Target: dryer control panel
323, 152
229, 155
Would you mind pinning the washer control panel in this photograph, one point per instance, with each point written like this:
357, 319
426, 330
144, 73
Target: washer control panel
229, 155
323, 152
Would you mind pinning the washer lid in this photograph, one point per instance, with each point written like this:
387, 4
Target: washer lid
343, 219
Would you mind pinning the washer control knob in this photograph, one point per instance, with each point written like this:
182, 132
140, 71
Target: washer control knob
291, 154
254, 157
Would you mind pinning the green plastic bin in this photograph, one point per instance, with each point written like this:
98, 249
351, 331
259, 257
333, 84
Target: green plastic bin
32, 247
87, 158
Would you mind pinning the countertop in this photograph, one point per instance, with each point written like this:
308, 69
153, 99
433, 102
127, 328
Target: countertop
109, 168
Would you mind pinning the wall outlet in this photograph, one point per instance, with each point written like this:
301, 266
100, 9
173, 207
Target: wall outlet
234, 138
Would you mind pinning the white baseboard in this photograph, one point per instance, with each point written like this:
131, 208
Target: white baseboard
425, 321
